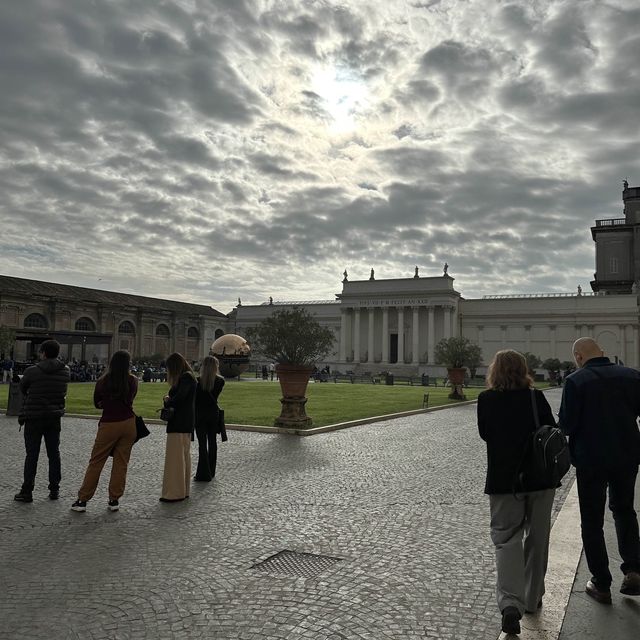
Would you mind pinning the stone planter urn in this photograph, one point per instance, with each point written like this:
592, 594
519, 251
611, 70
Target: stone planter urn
293, 380
456, 378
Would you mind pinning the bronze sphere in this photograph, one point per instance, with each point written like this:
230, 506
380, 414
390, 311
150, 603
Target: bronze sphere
233, 353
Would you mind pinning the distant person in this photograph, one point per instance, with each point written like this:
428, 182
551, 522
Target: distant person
114, 393
44, 388
599, 412
210, 385
7, 370
272, 370
265, 372
176, 480
520, 523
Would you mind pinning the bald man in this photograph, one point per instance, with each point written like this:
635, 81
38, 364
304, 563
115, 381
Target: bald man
599, 412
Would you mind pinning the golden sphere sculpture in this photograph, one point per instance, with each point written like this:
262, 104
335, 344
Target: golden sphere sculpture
233, 353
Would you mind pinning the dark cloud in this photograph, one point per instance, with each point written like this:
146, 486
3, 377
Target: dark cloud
140, 135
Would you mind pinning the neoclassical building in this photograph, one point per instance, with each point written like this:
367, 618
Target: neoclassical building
90, 324
394, 324
378, 324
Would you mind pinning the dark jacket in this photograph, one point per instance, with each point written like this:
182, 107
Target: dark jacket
44, 386
505, 423
182, 398
207, 409
599, 411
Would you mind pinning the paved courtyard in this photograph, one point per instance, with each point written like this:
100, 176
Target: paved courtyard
400, 503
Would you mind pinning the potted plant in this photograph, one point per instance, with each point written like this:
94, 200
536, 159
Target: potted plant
296, 341
456, 354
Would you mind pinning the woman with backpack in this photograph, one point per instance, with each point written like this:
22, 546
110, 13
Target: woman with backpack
114, 393
180, 401
520, 513
210, 385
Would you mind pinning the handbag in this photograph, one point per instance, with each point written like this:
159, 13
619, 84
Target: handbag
166, 413
141, 429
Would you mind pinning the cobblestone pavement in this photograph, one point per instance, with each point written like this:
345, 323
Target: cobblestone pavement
399, 502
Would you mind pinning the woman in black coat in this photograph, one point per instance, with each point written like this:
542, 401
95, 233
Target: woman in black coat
176, 480
520, 523
210, 385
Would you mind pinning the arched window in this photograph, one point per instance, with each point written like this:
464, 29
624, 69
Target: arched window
192, 332
35, 321
218, 334
85, 324
126, 327
163, 331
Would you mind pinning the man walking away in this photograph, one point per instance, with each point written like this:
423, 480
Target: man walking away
599, 411
44, 387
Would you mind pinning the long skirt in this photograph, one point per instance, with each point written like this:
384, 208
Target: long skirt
176, 480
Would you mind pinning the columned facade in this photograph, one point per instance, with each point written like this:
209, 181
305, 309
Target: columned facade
395, 322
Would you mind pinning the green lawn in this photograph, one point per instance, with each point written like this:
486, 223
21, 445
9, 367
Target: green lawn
258, 403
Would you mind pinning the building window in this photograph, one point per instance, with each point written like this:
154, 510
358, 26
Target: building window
613, 265
35, 321
192, 332
218, 334
162, 330
126, 327
85, 324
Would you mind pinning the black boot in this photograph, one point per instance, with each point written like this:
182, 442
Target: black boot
511, 621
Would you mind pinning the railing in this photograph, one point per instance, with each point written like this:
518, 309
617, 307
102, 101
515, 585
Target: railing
538, 295
611, 222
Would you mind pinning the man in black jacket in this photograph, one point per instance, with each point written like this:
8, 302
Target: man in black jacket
44, 387
599, 412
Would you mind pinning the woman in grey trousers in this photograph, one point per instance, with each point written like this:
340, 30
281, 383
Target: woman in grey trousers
520, 522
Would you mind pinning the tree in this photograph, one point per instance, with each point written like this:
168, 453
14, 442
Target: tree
7, 340
567, 365
291, 336
552, 364
456, 353
533, 362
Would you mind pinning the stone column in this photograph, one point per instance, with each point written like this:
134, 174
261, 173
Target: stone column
356, 335
400, 335
503, 337
431, 334
622, 342
552, 340
527, 338
371, 355
385, 335
447, 321
415, 346
343, 334
636, 347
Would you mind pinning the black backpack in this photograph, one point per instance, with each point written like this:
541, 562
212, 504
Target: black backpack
546, 457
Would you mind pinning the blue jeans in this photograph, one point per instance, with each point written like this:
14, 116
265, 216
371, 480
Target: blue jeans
592, 494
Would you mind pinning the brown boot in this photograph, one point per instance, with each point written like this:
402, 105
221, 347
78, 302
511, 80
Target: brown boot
603, 596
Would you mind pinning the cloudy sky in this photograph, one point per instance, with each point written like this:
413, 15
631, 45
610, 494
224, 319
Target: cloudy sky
208, 149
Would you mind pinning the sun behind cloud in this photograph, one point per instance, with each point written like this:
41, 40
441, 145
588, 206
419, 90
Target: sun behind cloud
344, 94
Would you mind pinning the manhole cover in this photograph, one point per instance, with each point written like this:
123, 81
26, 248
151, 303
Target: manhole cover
298, 565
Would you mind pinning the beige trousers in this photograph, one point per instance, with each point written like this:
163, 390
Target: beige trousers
112, 436
176, 481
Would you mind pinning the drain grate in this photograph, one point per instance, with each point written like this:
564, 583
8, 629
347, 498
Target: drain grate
298, 565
